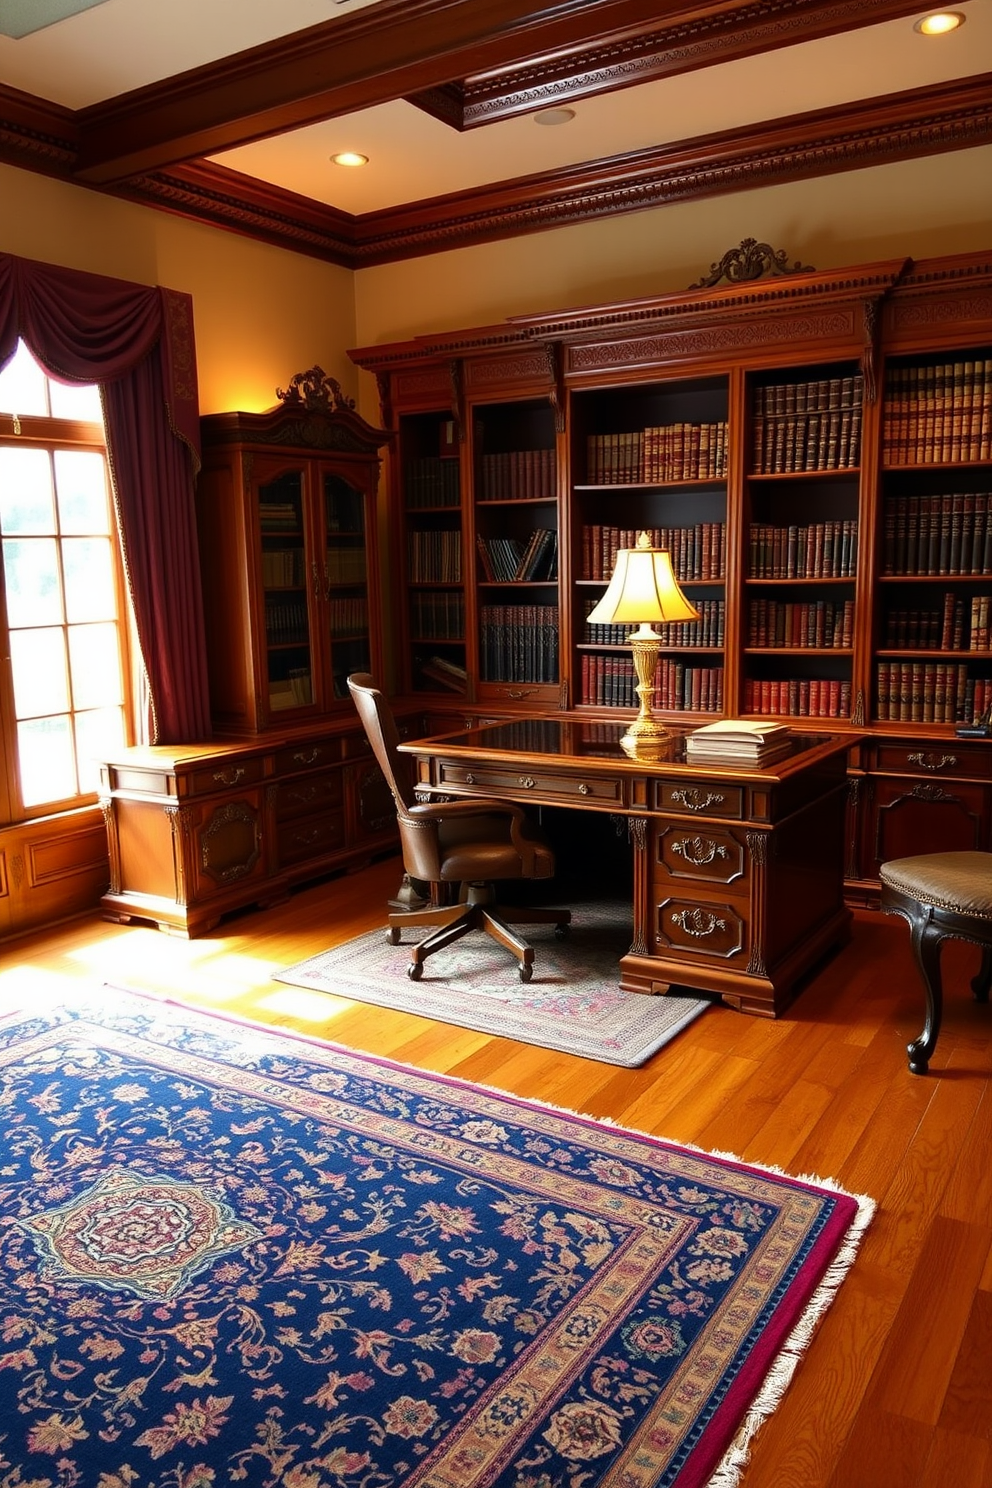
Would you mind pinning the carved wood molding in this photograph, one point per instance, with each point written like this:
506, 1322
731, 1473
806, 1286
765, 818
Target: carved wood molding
903, 126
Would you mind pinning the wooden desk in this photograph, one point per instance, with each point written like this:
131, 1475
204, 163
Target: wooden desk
738, 873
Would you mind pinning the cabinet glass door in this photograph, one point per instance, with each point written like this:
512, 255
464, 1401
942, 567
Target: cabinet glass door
345, 582
288, 651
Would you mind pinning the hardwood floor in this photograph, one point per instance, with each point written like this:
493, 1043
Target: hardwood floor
896, 1390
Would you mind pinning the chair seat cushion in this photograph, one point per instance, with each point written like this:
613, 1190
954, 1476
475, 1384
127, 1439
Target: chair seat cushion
956, 881
480, 849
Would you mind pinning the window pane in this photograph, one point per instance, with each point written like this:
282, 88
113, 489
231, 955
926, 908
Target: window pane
32, 576
99, 735
88, 574
23, 384
82, 491
44, 749
95, 670
37, 660
82, 403
27, 502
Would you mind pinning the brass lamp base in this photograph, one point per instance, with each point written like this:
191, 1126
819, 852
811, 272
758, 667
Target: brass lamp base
647, 737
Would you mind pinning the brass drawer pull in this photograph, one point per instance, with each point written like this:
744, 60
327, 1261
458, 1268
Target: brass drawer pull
697, 922
696, 800
306, 756
469, 778
229, 777
699, 850
931, 761
527, 781
584, 789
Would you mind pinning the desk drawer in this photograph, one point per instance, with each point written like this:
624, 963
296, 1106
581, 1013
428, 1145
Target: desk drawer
715, 930
504, 780
682, 856
700, 798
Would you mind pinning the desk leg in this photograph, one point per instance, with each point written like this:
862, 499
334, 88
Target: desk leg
637, 831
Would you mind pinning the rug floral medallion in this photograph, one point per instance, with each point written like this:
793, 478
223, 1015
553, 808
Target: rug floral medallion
234, 1256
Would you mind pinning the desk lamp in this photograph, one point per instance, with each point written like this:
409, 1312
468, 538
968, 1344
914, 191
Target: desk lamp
643, 591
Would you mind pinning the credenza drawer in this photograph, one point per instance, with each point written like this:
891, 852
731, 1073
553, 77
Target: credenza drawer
310, 837
307, 756
700, 798
605, 790
225, 774
308, 794
950, 760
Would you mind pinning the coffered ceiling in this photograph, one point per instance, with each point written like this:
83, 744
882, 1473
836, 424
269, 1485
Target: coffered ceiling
229, 111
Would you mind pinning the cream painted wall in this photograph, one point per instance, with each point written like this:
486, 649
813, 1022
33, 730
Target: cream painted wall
261, 314
918, 209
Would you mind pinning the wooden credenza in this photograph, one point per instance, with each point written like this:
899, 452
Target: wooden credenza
198, 830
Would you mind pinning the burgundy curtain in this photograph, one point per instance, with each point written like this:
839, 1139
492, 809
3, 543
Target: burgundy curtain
137, 343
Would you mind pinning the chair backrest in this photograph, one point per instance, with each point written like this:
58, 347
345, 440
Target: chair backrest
380, 727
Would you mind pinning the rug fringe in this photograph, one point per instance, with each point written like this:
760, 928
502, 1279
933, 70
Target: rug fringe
779, 1377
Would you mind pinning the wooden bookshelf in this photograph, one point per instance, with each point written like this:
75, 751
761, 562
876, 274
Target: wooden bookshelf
815, 450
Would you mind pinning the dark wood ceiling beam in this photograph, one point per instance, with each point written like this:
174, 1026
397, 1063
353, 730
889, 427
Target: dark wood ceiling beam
40, 136
682, 45
901, 126
373, 56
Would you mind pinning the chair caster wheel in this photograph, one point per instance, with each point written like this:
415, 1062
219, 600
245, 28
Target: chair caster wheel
526, 972
393, 935
560, 932
415, 970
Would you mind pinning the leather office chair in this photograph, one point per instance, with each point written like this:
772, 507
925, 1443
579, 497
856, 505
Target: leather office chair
465, 841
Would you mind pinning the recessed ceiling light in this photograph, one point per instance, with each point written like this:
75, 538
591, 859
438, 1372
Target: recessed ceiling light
350, 157
554, 116
939, 23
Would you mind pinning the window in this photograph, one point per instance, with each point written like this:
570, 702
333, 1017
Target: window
62, 627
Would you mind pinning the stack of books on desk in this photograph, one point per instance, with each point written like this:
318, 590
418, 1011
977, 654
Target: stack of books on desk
733, 740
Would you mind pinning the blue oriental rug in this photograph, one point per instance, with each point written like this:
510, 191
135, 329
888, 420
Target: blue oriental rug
230, 1255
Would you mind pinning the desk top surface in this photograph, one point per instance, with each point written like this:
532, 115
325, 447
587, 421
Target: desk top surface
568, 739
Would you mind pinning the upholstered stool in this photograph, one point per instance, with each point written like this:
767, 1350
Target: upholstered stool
944, 896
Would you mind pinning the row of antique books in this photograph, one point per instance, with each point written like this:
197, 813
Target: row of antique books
929, 692
437, 615
686, 634
435, 556
282, 568
961, 624
507, 560
346, 565
816, 395
798, 697
796, 442
822, 550
938, 414
430, 480
820, 624
286, 622
608, 681
518, 475
697, 552
665, 452
949, 533
279, 516
348, 616
519, 643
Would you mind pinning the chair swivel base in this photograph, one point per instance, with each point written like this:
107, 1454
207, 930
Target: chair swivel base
479, 912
